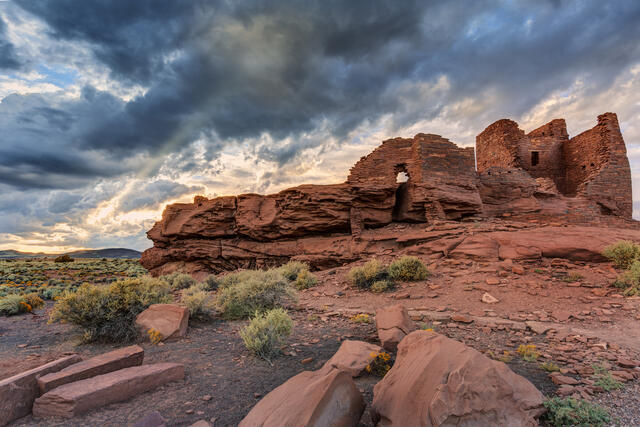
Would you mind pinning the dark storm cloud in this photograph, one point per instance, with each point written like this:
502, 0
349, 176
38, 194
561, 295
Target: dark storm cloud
8, 58
235, 70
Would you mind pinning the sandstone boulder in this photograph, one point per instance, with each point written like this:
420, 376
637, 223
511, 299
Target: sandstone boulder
170, 320
437, 381
17, 393
78, 397
327, 397
393, 323
352, 357
102, 364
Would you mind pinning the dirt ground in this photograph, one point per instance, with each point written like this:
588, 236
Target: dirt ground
579, 320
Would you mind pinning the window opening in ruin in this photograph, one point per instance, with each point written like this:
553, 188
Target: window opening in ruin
535, 158
402, 177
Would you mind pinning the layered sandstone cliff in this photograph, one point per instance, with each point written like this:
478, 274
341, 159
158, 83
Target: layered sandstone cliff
402, 184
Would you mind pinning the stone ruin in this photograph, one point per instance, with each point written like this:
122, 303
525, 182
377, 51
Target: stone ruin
540, 176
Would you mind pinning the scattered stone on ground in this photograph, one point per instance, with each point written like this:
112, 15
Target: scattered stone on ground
353, 356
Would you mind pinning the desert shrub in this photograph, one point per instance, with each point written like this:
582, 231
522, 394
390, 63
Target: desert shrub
380, 286
630, 280
604, 379
528, 352
236, 277
360, 318
16, 304
200, 303
622, 253
549, 367
211, 283
573, 412
305, 280
408, 268
251, 291
380, 363
371, 272
293, 269
108, 313
63, 258
178, 281
266, 333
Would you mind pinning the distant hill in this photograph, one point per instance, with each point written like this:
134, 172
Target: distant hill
85, 253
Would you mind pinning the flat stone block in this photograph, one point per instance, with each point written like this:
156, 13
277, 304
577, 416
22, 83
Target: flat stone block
81, 396
102, 364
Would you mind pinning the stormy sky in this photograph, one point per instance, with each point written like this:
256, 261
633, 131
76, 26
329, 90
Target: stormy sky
109, 109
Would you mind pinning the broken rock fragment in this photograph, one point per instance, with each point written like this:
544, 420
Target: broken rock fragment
437, 381
393, 323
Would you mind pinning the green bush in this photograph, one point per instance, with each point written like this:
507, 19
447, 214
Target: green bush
630, 280
293, 269
266, 333
408, 268
200, 303
178, 281
604, 379
572, 412
382, 286
249, 291
211, 283
371, 272
305, 280
622, 253
108, 313
16, 304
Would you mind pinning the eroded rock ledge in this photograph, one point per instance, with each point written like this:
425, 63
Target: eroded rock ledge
422, 196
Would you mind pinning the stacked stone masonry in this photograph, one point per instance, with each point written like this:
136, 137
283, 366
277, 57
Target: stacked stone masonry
425, 179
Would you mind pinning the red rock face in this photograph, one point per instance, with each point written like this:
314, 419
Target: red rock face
427, 179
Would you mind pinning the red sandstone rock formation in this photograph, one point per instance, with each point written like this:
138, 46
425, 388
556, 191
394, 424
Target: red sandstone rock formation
427, 179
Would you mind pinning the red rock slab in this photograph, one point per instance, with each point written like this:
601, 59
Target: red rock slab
170, 320
353, 356
102, 364
393, 323
81, 396
17, 393
437, 381
326, 397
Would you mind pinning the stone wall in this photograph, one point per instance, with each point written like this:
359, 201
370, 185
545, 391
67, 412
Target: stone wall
597, 167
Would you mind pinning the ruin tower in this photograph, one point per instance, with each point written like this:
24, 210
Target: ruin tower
591, 166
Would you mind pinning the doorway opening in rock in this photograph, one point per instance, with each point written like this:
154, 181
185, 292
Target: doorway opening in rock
401, 206
535, 158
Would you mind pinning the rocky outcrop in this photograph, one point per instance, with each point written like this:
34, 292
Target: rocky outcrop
98, 365
18, 393
170, 321
327, 397
78, 397
540, 176
437, 381
393, 324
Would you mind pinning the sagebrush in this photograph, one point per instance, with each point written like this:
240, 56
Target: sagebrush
622, 253
408, 268
178, 281
250, 291
267, 332
108, 313
369, 273
199, 301
573, 412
